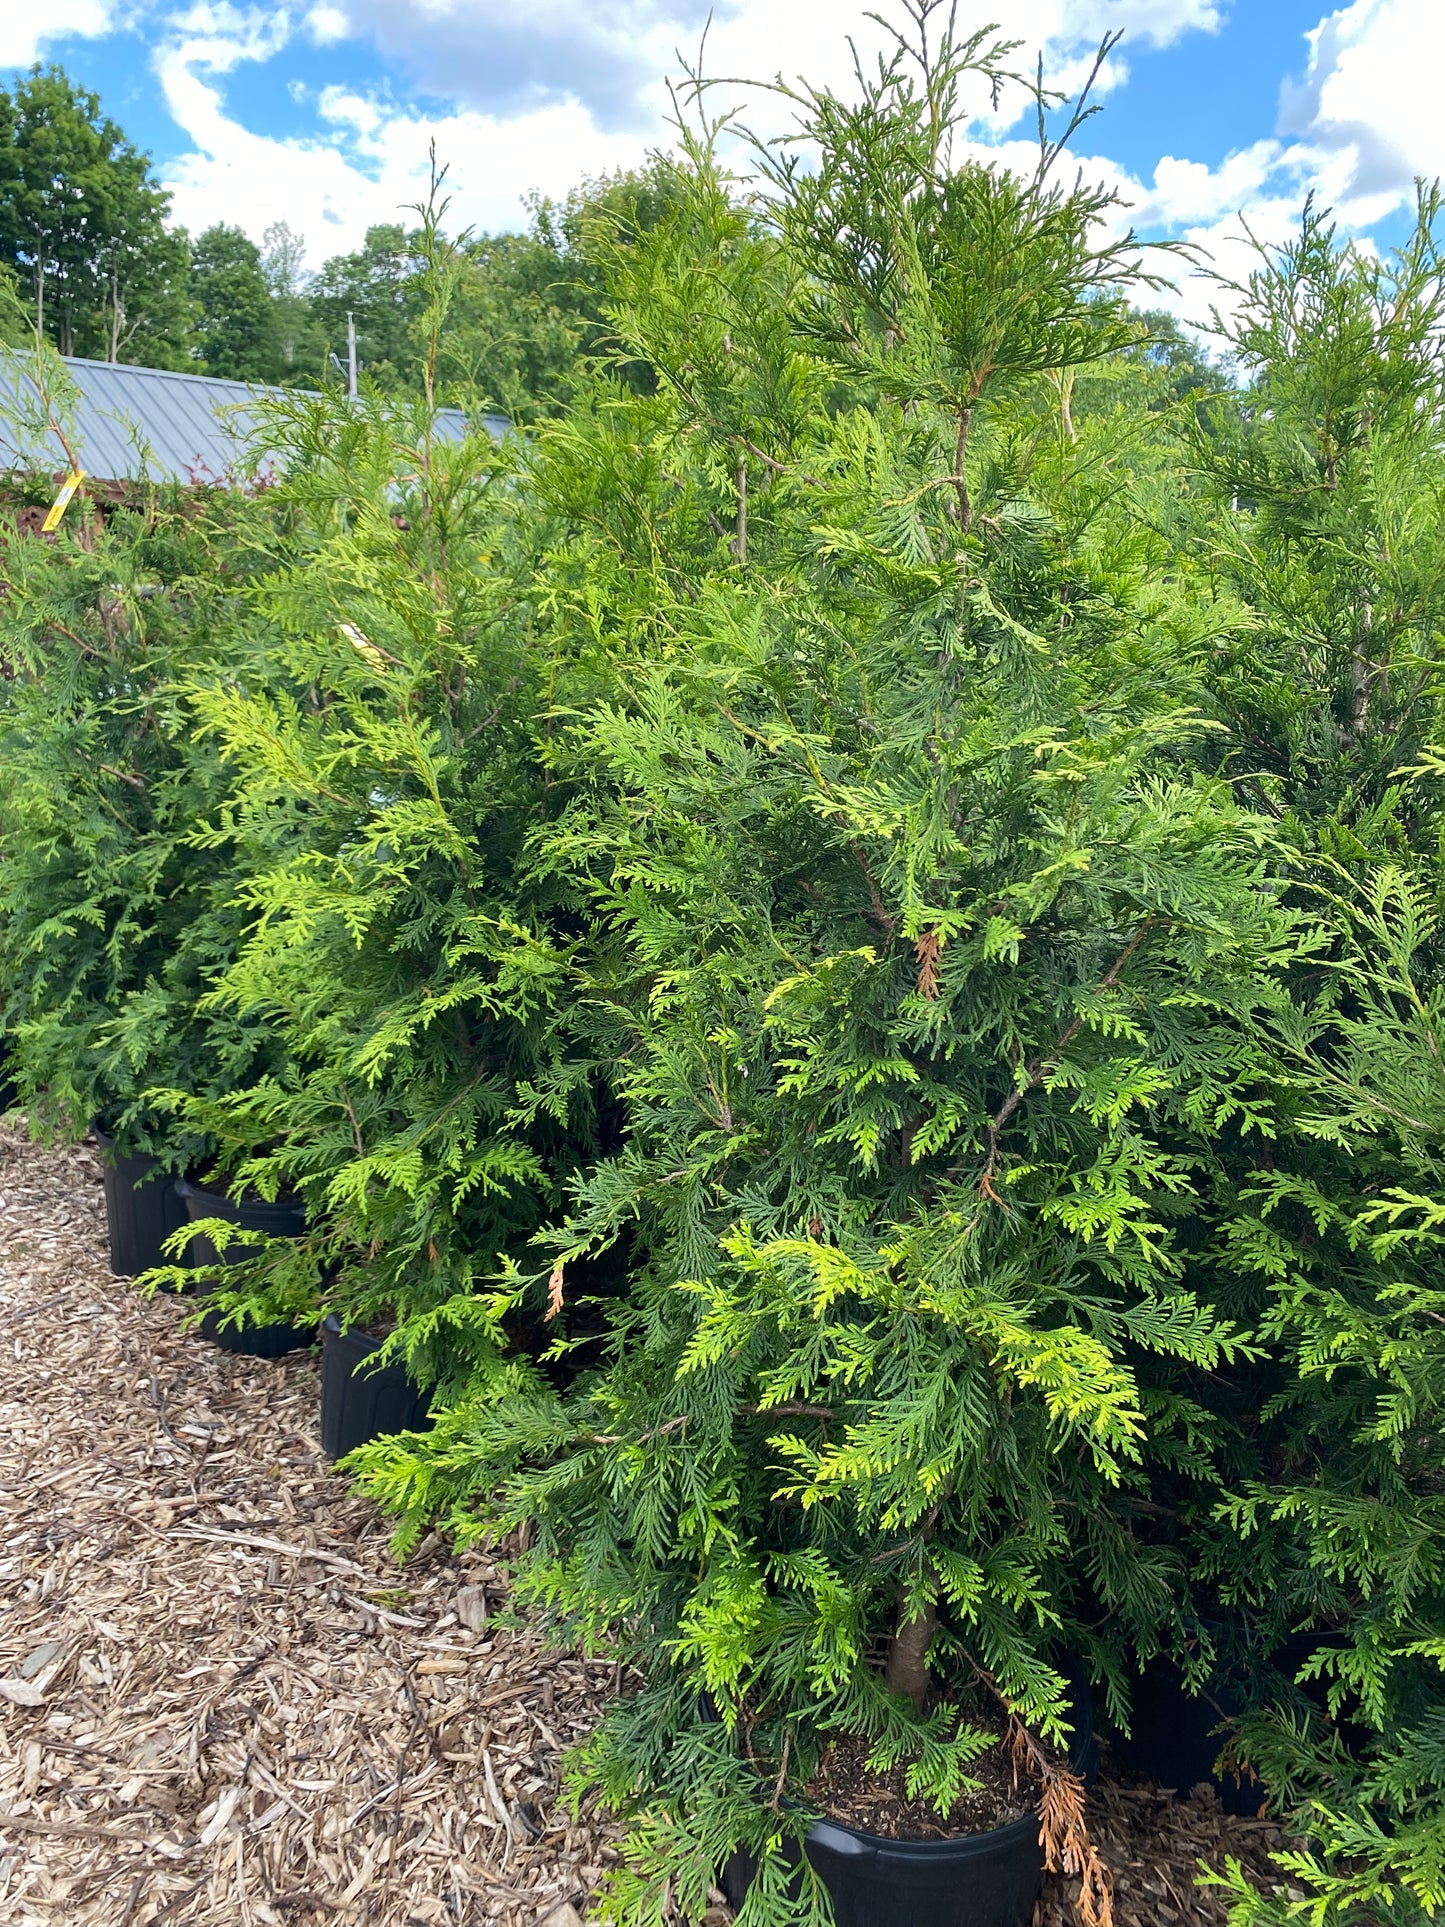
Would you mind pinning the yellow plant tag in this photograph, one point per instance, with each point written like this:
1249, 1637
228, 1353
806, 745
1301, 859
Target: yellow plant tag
62, 501
364, 648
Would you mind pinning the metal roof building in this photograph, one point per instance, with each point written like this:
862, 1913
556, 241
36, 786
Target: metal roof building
135, 424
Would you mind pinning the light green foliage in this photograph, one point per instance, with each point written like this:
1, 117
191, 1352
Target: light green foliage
932, 962
383, 775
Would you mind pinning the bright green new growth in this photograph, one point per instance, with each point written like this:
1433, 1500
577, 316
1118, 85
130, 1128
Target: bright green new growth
844, 940
111, 930
935, 957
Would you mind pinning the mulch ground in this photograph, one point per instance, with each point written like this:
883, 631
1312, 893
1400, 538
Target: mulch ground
221, 1701
1153, 1846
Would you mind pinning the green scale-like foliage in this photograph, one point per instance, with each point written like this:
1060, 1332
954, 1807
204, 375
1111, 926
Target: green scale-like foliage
111, 927
934, 966
383, 773
1316, 514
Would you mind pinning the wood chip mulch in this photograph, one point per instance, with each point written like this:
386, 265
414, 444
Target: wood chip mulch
1153, 1846
220, 1700
222, 1703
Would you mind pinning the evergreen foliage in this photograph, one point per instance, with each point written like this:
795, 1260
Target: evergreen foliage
935, 964
382, 778
110, 928
1315, 527
843, 942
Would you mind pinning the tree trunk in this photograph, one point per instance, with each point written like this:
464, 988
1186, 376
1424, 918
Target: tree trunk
960, 476
1361, 674
1066, 413
908, 1657
740, 539
39, 299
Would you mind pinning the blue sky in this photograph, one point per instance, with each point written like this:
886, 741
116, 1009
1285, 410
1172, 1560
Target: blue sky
320, 112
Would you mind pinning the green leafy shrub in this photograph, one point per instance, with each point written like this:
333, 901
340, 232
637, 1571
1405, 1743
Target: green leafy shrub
1314, 528
111, 928
937, 967
383, 773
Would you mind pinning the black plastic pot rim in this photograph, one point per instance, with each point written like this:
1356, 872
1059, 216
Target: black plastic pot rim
107, 1142
331, 1324
836, 1836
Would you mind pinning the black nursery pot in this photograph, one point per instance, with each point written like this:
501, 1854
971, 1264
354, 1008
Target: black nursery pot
286, 1218
1174, 1737
971, 1880
142, 1208
360, 1403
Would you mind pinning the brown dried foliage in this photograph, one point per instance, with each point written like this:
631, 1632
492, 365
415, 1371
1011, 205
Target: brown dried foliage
555, 1299
929, 949
1064, 1827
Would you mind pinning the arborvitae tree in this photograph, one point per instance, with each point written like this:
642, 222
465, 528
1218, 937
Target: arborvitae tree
1346, 1512
935, 968
1315, 514
111, 930
384, 775
1315, 524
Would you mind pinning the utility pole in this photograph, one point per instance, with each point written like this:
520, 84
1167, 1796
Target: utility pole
351, 358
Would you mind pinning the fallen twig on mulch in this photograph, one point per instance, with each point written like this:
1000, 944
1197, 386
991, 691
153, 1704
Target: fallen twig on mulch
220, 1700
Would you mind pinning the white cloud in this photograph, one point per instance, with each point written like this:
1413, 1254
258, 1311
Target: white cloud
327, 25
545, 91
541, 92
369, 159
26, 29
1356, 129
1368, 107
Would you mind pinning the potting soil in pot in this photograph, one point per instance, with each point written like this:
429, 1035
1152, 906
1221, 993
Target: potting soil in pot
848, 1790
942, 1874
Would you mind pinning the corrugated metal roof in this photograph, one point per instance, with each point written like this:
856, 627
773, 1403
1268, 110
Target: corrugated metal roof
134, 424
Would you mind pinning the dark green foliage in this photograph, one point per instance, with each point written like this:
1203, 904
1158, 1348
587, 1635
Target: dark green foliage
934, 965
82, 225
1316, 524
237, 328
111, 929
530, 310
377, 286
383, 777
845, 941
83, 230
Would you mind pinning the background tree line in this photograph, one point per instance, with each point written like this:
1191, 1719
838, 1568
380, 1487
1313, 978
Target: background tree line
92, 263
95, 266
